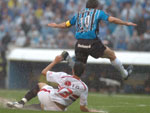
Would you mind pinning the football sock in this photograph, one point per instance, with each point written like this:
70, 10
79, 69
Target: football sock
22, 101
29, 95
118, 65
70, 61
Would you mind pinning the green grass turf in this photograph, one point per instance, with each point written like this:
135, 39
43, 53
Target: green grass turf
111, 104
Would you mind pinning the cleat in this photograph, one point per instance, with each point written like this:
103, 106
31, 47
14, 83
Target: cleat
14, 105
129, 70
64, 54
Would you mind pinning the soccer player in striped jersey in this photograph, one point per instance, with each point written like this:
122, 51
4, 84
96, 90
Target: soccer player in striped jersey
86, 23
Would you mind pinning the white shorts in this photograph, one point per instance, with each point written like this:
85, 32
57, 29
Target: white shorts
45, 99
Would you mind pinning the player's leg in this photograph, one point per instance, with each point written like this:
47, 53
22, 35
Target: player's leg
28, 96
68, 58
99, 50
45, 98
36, 107
82, 50
110, 54
81, 54
32, 93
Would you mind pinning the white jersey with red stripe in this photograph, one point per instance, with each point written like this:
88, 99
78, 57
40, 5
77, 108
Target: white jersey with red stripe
70, 88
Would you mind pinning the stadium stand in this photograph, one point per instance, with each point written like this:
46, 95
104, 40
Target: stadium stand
25, 22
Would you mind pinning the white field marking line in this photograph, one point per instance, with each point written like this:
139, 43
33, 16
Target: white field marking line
100, 111
132, 96
124, 96
143, 105
140, 105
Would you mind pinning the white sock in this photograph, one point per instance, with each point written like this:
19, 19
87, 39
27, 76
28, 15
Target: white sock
70, 61
24, 100
118, 65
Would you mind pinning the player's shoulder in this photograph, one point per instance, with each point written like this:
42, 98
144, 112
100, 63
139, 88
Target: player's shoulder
100, 11
97, 12
84, 86
58, 73
63, 73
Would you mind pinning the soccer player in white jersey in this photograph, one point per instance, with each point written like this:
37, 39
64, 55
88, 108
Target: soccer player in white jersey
70, 88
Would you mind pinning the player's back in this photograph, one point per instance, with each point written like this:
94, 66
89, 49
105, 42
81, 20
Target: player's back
70, 89
87, 23
73, 83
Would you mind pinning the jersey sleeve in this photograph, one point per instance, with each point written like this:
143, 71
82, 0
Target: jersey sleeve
54, 76
72, 21
83, 98
103, 15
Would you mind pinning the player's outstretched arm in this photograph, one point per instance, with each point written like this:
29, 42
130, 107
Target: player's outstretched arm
61, 25
119, 21
51, 65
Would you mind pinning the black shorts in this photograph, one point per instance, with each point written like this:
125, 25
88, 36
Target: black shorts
84, 48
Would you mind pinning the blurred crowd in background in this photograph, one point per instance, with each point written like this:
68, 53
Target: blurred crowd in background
23, 23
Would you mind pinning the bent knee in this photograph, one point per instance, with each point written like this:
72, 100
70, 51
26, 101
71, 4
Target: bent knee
112, 56
41, 85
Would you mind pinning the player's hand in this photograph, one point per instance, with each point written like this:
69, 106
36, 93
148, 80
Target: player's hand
131, 24
52, 25
58, 59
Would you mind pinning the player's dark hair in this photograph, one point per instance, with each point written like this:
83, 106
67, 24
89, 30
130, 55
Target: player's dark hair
78, 68
92, 4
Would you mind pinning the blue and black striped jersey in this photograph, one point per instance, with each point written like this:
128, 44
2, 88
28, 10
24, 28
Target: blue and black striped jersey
86, 23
